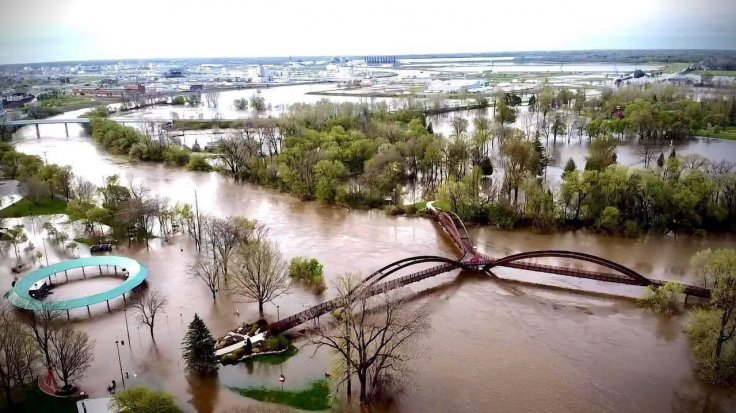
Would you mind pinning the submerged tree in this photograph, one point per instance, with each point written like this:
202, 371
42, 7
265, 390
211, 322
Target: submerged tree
199, 348
148, 307
373, 334
259, 273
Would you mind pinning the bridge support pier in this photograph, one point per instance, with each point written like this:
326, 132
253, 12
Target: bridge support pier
88, 312
108, 306
66, 128
67, 315
38, 132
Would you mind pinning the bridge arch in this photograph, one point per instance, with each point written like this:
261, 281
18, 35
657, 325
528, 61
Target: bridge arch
395, 266
634, 276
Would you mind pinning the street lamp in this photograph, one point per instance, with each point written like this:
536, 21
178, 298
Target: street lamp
117, 345
125, 312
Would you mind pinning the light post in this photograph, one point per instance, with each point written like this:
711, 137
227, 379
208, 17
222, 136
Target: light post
278, 316
45, 254
117, 345
125, 312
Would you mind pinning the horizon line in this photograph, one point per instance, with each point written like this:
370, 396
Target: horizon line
405, 55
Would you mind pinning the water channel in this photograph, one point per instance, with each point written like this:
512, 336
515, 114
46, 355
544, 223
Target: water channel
493, 346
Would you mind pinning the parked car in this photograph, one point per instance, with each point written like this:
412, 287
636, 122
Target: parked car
101, 248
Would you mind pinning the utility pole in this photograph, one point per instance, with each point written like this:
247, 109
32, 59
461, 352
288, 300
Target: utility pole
199, 223
120, 363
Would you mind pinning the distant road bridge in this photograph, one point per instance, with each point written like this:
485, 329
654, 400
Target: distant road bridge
474, 261
85, 121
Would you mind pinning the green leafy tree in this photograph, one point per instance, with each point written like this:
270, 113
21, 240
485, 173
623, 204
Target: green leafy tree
144, 400
713, 331
601, 153
199, 348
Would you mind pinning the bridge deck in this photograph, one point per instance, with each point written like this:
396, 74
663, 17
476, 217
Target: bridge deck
473, 260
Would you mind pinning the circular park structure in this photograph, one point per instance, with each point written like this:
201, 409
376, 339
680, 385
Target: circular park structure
135, 273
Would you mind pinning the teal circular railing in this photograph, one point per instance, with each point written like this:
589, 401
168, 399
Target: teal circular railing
136, 273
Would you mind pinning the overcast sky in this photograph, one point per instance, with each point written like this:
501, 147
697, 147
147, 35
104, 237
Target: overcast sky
52, 30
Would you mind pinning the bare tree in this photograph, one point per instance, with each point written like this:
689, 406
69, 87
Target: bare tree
43, 321
18, 354
225, 235
259, 273
648, 148
148, 307
84, 189
372, 335
72, 353
211, 97
206, 269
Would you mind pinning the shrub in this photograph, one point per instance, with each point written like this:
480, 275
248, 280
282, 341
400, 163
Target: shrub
662, 299
177, 156
199, 163
179, 100
230, 358
308, 270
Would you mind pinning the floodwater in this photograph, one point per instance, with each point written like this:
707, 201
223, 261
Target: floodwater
494, 345
575, 146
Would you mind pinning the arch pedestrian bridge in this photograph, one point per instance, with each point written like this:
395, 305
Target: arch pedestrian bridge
134, 272
471, 260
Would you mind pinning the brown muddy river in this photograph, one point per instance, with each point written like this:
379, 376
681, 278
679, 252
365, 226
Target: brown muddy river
494, 345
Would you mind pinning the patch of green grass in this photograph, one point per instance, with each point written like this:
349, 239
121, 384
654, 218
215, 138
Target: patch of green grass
36, 401
729, 133
63, 101
316, 396
675, 67
731, 73
26, 207
276, 359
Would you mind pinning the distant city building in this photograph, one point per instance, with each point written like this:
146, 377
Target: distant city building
259, 74
380, 60
174, 73
197, 87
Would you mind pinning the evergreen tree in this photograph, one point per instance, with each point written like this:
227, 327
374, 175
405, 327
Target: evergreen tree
429, 128
673, 154
532, 103
660, 160
542, 160
199, 348
569, 167
248, 346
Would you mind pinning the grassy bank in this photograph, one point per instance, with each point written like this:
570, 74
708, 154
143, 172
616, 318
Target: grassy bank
728, 133
316, 396
193, 124
276, 359
730, 73
36, 401
26, 207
